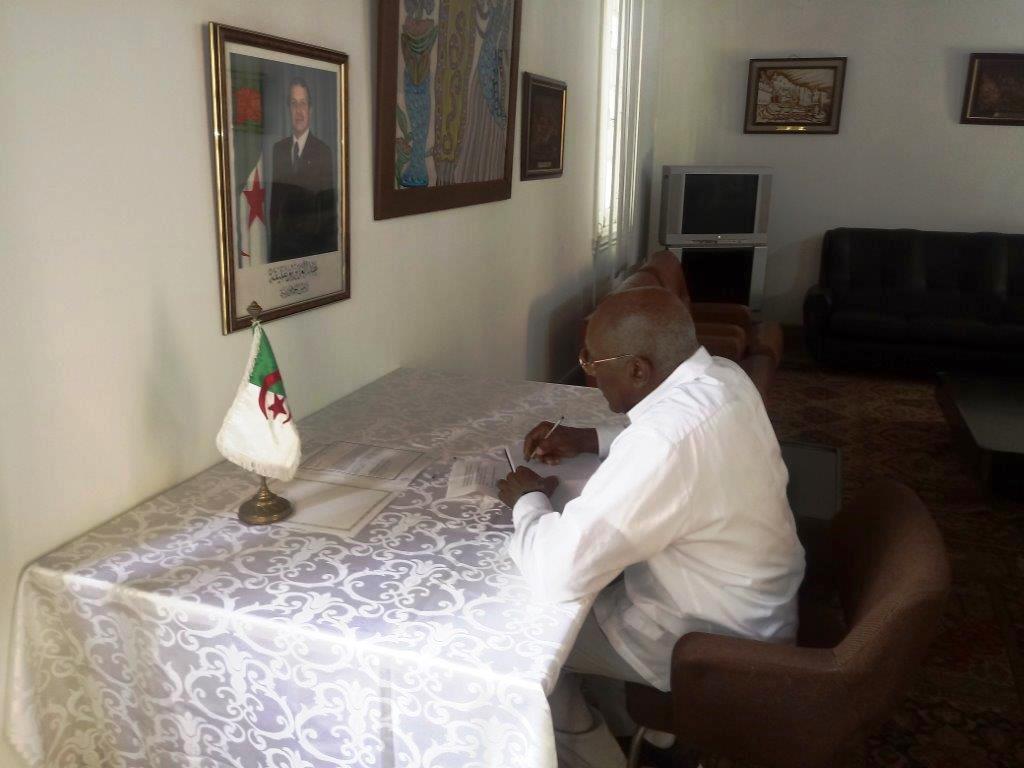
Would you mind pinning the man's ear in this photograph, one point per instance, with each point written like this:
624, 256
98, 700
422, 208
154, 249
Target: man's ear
640, 371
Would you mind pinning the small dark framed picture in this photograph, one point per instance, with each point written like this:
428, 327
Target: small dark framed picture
280, 140
794, 95
542, 146
994, 93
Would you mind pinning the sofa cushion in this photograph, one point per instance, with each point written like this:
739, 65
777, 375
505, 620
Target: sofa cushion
939, 328
965, 331
962, 274
867, 324
1009, 336
869, 269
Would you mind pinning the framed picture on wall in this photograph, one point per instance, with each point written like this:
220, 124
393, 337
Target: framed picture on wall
280, 139
542, 145
994, 93
794, 95
446, 104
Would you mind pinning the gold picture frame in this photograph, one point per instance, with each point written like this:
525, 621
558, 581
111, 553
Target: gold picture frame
994, 91
794, 96
280, 142
542, 137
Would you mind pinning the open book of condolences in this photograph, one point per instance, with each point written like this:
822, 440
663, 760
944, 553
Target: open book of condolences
343, 486
479, 475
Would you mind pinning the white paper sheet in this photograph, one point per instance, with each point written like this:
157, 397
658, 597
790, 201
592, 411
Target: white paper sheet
341, 508
572, 474
479, 475
476, 476
364, 466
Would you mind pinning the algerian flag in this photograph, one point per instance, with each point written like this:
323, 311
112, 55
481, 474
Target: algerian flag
252, 220
247, 157
258, 433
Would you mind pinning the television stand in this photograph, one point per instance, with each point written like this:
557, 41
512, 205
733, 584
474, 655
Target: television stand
732, 274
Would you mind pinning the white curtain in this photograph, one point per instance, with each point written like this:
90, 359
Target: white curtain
625, 139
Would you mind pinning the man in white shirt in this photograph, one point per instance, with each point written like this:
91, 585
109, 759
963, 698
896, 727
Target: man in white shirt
689, 504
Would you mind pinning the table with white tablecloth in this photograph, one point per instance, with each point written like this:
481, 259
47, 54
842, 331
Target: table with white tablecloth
173, 635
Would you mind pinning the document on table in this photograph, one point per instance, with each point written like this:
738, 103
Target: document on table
476, 476
479, 475
340, 508
365, 466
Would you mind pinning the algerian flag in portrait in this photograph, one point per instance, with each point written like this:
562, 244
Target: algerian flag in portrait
247, 143
258, 433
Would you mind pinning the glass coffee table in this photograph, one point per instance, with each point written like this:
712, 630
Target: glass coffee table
815, 491
986, 414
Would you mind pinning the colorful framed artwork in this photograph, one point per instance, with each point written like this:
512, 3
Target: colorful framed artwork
994, 93
542, 146
280, 139
794, 95
446, 103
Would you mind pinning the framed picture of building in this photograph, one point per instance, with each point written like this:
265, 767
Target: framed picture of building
542, 142
794, 95
446, 103
994, 92
280, 140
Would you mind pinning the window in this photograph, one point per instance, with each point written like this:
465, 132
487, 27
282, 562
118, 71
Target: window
618, 219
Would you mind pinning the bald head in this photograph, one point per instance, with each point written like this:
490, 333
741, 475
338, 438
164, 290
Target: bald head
647, 322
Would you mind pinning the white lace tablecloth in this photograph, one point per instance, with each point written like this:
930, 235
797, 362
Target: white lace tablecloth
175, 636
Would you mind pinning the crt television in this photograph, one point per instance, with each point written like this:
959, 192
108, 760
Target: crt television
708, 205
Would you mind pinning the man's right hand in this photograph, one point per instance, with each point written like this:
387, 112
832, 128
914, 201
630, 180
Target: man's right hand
564, 443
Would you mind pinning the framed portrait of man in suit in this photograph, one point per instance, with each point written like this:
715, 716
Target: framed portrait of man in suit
280, 137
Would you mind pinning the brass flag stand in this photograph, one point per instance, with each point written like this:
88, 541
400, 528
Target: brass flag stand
265, 507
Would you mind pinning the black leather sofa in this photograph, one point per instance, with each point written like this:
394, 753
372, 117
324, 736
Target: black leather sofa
918, 299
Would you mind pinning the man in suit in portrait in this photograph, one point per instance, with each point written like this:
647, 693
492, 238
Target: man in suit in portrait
303, 208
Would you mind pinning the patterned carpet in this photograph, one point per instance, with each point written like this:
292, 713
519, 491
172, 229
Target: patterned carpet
965, 707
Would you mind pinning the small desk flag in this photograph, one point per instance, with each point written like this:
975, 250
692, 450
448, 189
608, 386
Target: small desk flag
258, 433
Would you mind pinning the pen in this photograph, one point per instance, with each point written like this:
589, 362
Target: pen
553, 427
509, 457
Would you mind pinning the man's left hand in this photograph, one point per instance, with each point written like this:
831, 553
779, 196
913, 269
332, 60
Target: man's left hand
524, 481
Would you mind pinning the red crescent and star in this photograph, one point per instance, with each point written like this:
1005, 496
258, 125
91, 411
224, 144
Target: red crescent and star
255, 197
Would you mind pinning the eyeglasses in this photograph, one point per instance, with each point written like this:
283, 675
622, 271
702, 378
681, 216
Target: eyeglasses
588, 365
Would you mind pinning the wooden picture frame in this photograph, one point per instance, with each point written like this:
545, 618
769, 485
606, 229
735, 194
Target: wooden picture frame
994, 91
282, 202
794, 95
542, 137
429, 158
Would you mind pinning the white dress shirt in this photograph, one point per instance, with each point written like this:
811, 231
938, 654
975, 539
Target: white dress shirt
690, 504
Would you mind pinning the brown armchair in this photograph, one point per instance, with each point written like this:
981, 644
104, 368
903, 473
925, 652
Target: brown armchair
761, 337
802, 706
725, 330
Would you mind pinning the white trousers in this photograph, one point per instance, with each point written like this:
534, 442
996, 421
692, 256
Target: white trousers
585, 731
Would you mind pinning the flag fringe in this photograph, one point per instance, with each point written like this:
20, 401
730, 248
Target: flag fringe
259, 467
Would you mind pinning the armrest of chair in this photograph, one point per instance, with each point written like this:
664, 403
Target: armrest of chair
818, 301
791, 700
720, 312
817, 310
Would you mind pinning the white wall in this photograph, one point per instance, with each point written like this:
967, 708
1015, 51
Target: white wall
901, 158
114, 373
